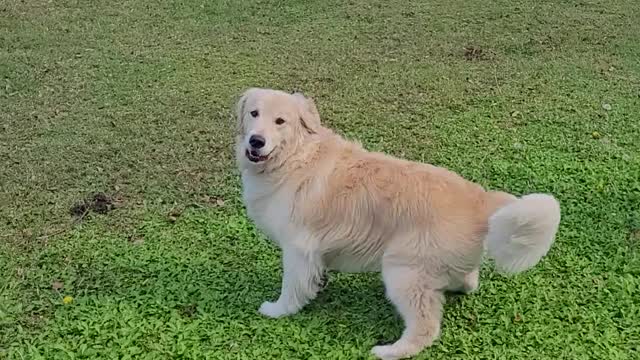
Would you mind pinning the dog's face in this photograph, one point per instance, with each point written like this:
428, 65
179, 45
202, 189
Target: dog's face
271, 121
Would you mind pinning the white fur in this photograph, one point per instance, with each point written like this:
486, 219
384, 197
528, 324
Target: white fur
522, 232
330, 204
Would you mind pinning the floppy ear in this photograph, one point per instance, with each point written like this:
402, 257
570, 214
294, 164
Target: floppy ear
309, 116
240, 107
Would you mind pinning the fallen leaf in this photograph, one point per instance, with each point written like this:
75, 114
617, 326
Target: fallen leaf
174, 214
606, 106
57, 285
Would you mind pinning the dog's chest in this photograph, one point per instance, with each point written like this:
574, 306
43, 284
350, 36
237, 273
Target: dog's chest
268, 207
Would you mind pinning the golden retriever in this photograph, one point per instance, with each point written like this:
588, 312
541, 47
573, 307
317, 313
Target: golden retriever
329, 204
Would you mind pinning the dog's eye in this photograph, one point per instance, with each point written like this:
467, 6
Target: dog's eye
279, 121
254, 113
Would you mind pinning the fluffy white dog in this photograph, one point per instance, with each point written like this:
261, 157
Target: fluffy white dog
330, 204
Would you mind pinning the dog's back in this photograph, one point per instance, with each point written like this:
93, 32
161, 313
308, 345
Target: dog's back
369, 204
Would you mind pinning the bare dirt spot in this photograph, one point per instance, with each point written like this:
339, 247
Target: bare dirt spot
472, 53
215, 201
136, 239
99, 203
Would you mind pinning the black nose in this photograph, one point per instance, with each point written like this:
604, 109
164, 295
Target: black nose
256, 141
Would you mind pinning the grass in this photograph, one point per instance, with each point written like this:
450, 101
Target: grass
133, 98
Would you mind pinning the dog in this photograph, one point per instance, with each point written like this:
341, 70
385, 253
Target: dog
329, 204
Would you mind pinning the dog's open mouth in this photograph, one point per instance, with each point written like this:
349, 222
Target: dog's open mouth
254, 157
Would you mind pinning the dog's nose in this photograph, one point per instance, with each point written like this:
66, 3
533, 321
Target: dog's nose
256, 141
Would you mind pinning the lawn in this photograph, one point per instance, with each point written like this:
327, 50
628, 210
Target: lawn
132, 100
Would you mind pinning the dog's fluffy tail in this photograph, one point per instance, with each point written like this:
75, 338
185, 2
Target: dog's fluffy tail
522, 230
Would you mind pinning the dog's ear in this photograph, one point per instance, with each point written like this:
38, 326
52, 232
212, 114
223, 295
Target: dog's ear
240, 106
309, 116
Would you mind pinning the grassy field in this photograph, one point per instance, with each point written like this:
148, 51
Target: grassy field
133, 99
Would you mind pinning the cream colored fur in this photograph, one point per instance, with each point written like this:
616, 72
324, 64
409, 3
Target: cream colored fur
330, 204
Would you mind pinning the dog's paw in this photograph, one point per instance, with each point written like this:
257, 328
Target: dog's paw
272, 309
471, 281
383, 352
395, 351
323, 281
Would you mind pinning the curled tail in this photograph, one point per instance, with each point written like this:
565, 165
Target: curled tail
522, 230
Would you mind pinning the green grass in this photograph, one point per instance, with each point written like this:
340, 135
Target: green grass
134, 98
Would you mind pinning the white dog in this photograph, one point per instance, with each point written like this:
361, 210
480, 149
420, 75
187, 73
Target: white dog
330, 204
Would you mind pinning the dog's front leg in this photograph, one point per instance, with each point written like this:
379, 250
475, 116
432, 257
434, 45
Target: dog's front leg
301, 281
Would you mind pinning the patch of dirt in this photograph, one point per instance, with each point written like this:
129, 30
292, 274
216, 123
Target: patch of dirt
136, 239
473, 53
33, 322
215, 201
99, 203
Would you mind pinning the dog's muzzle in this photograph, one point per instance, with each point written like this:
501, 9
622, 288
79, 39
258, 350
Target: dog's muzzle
255, 157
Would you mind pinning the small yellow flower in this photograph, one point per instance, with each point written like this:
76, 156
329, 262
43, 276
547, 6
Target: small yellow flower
67, 299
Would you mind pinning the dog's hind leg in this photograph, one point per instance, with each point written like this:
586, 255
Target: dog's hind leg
302, 279
419, 303
471, 281
464, 283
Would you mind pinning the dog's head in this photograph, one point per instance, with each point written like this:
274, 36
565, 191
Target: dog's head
271, 123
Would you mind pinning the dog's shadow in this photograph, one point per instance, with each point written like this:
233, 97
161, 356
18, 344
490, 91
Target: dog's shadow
352, 307
356, 302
